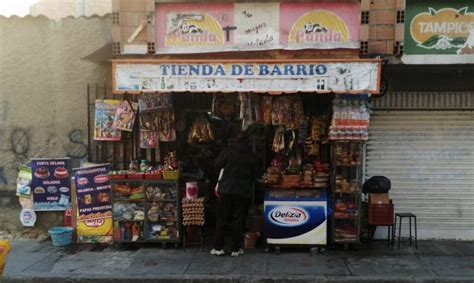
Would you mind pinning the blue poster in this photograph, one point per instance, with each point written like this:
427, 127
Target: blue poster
51, 184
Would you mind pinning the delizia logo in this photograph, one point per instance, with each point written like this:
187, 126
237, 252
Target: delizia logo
288, 216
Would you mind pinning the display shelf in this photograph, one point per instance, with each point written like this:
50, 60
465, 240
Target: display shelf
129, 200
150, 206
161, 200
349, 175
347, 217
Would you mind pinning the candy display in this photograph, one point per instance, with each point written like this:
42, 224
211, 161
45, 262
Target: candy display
156, 192
193, 212
128, 231
162, 212
346, 164
345, 186
124, 211
128, 191
350, 119
145, 210
347, 154
163, 231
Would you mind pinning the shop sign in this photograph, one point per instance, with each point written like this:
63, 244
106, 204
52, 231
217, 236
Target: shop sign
51, 184
442, 31
215, 27
94, 204
361, 76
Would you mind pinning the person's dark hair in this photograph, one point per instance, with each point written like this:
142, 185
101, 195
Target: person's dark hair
243, 136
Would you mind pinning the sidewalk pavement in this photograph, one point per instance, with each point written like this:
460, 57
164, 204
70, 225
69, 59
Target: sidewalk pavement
433, 261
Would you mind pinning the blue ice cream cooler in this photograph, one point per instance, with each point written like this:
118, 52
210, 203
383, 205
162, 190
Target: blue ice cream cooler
295, 217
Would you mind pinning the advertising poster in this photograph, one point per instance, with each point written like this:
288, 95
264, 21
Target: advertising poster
94, 204
439, 30
51, 184
104, 129
215, 27
296, 222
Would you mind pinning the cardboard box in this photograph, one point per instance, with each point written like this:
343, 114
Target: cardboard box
379, 198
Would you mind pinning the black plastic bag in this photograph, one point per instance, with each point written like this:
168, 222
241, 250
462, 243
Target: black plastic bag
377, 185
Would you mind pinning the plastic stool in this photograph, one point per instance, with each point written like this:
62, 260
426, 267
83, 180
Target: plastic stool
409, 216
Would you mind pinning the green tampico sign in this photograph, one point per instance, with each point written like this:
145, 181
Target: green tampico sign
439, 27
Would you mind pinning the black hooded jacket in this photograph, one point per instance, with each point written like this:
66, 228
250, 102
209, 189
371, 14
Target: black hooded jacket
240, 167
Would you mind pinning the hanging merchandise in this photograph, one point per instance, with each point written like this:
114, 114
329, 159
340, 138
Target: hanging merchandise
151, 102
288, 111
281, 111
316, 134
225, 106
278, 144
266, 104
166, 129
149, 137
350, 119
249, 109
149, 121
125, 115
23, 182
104, 129
303, 131
297, 115
200, 131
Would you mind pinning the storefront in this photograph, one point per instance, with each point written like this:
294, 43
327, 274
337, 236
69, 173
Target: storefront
303, 108
308, 119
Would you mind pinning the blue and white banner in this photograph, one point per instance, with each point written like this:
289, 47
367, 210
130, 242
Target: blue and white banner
361, 76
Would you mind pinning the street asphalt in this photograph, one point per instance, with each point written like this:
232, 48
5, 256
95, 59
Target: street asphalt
433, 261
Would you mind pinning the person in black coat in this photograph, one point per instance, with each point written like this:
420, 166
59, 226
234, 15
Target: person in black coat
235, 192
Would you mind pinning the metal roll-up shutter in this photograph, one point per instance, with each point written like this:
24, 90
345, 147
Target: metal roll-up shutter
429, 157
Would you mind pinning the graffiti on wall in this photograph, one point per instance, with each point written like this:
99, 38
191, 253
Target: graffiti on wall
17, 144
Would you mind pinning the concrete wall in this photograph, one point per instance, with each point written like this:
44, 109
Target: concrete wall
43, 87
60, 9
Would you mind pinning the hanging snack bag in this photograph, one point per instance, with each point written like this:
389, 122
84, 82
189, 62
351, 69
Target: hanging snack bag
266, 103
125, 115
166, 128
